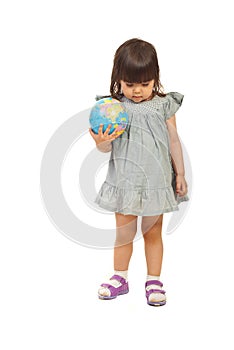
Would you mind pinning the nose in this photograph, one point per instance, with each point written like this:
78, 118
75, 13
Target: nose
137, 90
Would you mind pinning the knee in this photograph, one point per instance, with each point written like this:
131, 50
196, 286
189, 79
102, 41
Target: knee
121, 239
152, 238
125, 234
126, 229
151, 224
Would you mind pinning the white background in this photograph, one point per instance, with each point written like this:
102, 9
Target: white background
55, 57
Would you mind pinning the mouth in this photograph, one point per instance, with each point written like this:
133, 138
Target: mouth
137, 97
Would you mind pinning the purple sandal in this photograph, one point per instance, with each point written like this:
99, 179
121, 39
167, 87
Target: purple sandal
149, 292
114, 292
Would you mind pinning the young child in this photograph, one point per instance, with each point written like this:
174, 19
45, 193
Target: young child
146, 169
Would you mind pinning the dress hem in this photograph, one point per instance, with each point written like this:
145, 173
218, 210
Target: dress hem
108, 199
138, 214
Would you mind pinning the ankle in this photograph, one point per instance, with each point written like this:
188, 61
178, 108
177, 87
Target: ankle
122, 273
152, 277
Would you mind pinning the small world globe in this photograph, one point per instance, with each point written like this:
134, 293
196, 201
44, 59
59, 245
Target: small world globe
108, 111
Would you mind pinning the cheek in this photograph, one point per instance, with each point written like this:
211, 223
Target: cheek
151, 88
127, 91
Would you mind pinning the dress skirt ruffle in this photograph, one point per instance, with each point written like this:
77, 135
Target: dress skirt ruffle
138, 202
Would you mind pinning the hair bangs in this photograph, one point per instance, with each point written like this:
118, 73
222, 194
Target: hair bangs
137, 72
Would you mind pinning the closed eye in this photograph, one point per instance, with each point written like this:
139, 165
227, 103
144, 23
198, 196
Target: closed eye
143, 84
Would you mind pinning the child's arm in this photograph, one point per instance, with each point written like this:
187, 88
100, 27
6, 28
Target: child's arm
176, 156
104, 140
175, 146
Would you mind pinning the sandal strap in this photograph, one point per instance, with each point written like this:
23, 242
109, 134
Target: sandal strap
118, 278
109, 286
149, 292
149, 283
115, 291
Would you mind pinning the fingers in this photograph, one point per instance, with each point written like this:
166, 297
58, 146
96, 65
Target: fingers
104, 136
181, 188
108, 129
111, 136
106, 132
114, 134
184, 187
178, 186
100, 129
92, 133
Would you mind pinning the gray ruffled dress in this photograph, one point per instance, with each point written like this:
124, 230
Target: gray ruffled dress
140, 179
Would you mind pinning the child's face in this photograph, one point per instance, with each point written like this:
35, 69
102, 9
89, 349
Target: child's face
137, 92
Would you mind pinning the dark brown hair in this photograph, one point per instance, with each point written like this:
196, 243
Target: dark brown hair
135, 61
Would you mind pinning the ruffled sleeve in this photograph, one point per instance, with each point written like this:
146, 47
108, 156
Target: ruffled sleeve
172, 104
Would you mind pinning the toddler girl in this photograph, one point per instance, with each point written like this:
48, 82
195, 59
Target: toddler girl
146, 169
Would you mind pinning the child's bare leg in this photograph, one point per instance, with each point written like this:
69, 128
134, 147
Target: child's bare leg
152, 233
126, 228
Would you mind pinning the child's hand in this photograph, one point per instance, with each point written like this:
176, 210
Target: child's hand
181, 185
101, 137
